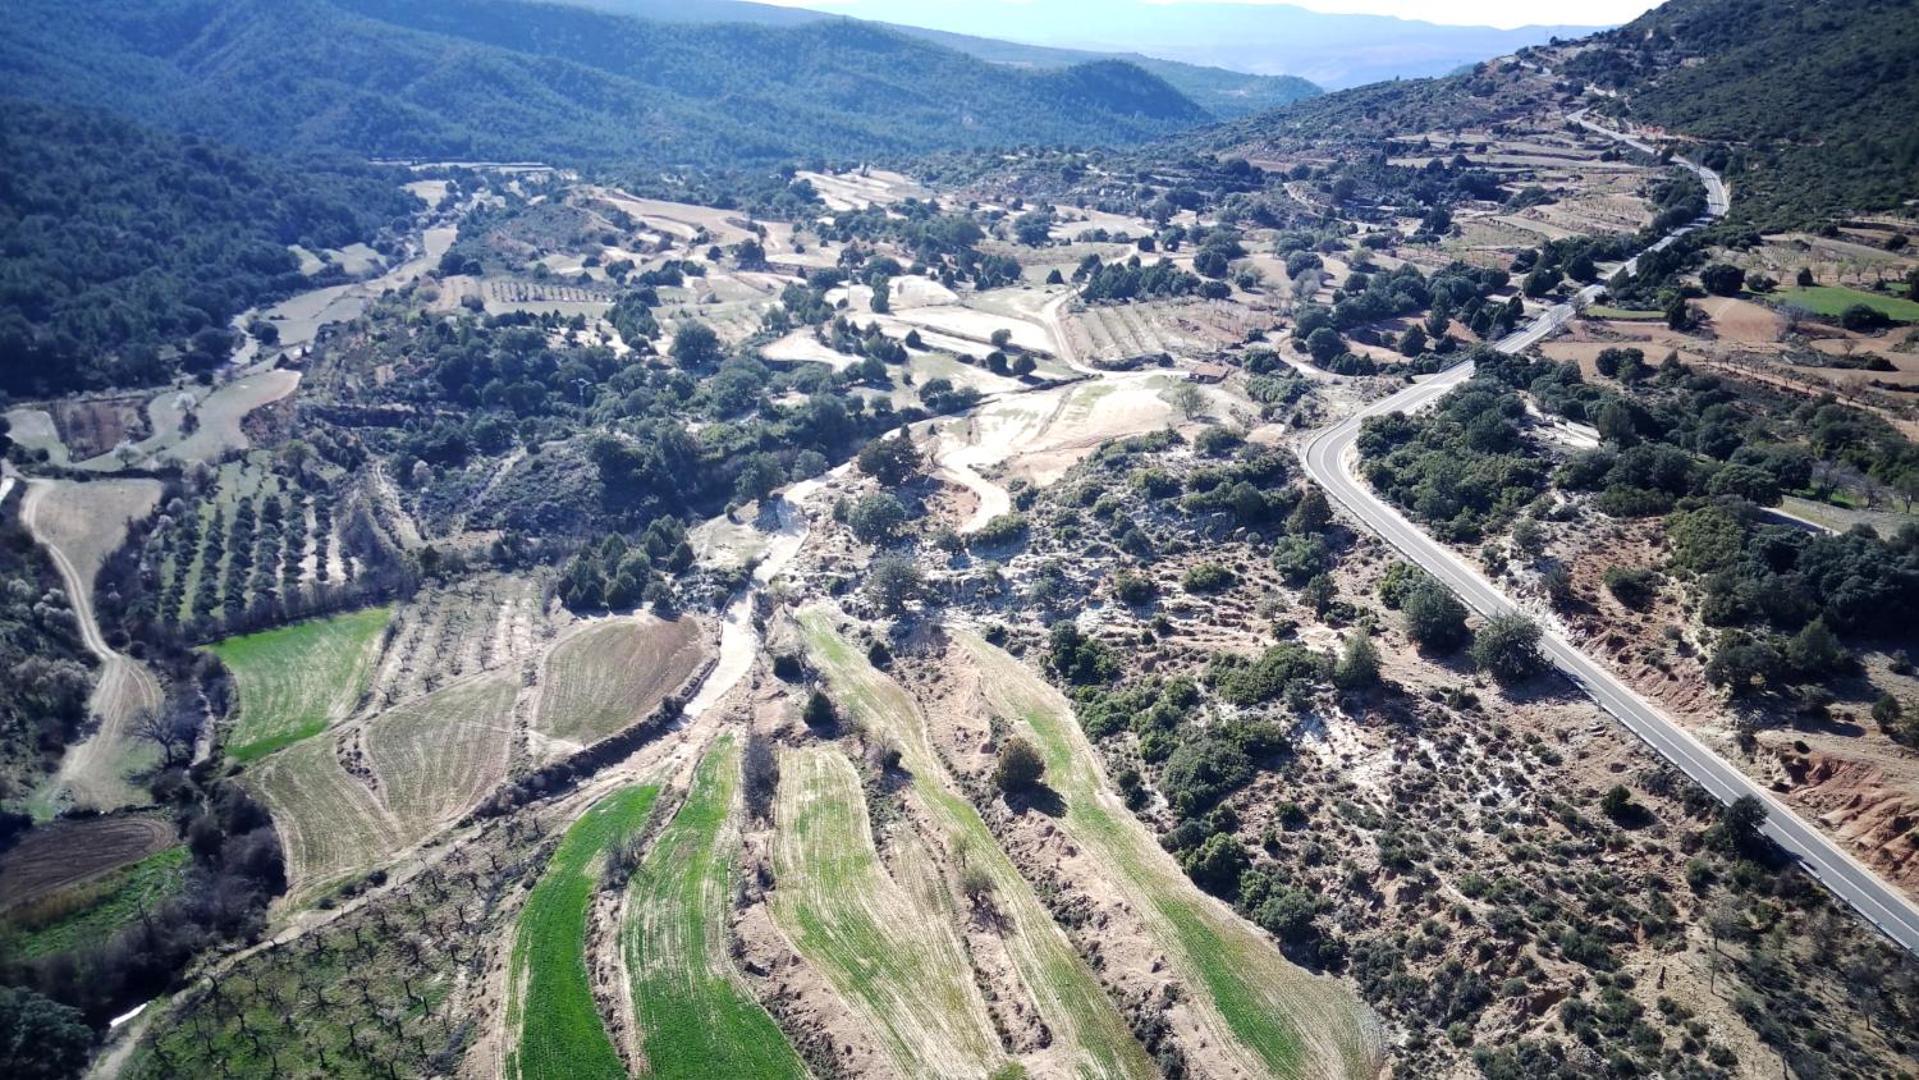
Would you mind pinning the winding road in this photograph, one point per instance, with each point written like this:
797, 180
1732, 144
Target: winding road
1330, 459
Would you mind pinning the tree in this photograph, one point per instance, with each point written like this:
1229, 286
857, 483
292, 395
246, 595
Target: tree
1187, 399
892, 583
759, 475
1324, 343
891, 461
172, 730
41, 1039
1217, 864
819, 713
1617, 803
1507, 648
1815, 650
1886, 712
1312, 515
1358, 666
1723, 279
697, 347
1435, 619
1001, 338
760, 774
877, 519
1743, 818
1412, 342
1019, 767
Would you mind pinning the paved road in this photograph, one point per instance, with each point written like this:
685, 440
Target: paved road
1330, 458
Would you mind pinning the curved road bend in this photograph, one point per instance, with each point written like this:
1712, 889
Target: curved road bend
1330, 457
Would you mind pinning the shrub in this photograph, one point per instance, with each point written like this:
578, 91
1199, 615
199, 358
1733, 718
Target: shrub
1634, 586
1507, 648
1019, 767
1207, 578
1435, 619
1358, 666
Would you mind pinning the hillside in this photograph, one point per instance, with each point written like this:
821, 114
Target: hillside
128, 252
493, 80
1815, 98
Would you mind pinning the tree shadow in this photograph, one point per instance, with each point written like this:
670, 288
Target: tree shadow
1040, 797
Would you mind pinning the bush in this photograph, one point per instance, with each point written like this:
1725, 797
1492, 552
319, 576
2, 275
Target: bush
820, 713
1634, 586
1019, 768
760, 771
877, 519
1207, 578
1358, 666
1435, 619
1507, 648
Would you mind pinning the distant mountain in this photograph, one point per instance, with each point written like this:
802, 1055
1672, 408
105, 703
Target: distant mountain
1223, 93
494, 79
1815, 100
1332, 51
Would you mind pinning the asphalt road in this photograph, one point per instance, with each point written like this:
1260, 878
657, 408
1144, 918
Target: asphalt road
1330, 458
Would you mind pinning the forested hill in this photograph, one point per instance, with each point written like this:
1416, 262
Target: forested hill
1816, 98
491, 79
128, 252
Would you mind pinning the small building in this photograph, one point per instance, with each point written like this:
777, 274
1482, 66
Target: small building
1206, 371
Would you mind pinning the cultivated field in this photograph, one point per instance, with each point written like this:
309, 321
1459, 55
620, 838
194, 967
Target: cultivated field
1087, 1030
93, 911
1273, 1018
445, 634
551, 1010
295, 681
329, 821
608, 676
75, 851
696, 1019
1832, 300
437, 757
1180, 327
887, 946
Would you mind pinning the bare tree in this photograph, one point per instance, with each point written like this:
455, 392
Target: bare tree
172, 730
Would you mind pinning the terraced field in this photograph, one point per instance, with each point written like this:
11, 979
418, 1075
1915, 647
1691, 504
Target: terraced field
550, 1006
294, 681
608, 676
1279, 1019
695, 1017
887, 946
329, 822
1087, 1029
439, 756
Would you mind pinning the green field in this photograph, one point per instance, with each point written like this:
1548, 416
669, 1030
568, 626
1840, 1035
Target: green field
1602, 311
1290, 1022
294, 681
695, 1018
1835, 299
91, 913
550, 1001
888, 946
1060, 984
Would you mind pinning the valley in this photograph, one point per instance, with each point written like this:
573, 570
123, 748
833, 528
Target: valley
1409, 582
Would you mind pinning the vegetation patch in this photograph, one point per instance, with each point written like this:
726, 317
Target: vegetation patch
606, 678
695, 1017
296, 680
551, 1009
1834, 301
93, 911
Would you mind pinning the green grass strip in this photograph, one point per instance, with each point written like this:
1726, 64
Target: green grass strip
1835, 299
295, 680
90, 913
560, 1030
696, 1020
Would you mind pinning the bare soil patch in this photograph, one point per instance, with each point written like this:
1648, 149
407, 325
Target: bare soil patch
69, 852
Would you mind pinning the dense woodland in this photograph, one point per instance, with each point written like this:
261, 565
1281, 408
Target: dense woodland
1815, 98
130, 252
49, 672
512, 81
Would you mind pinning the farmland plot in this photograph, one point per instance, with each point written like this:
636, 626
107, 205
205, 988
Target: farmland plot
608, 676
436, 758
1276, 1019
295, 681
887, 946
329, 822
447, 634
695, 1017
550, 1007
1087, 1029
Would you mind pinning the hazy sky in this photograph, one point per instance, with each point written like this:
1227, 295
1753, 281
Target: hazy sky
1500, 13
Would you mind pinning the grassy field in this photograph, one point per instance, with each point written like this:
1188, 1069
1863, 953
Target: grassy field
1061, 986
1286, 1021
1835, 299
550, 1001
90, 913
294, 681
605, 678
695, 1018
1602, 311
888, 947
